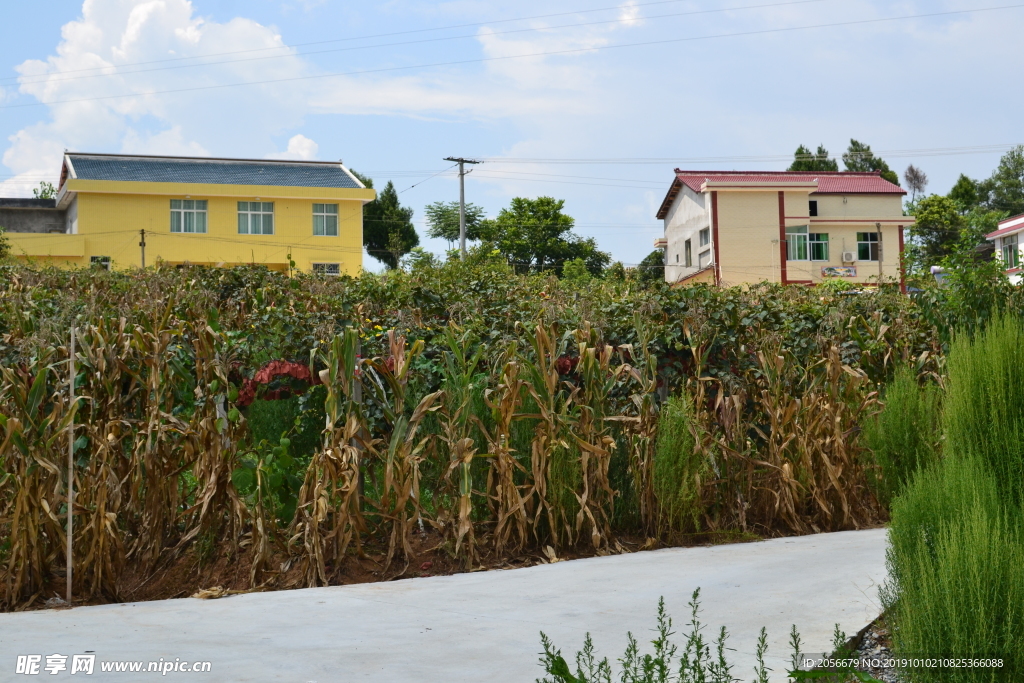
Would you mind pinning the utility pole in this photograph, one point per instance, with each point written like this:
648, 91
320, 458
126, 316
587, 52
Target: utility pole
71, 457
142, 244
878, 228
462, 200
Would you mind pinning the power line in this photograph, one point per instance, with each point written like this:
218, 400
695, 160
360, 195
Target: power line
478, 60
49, 79
414, 31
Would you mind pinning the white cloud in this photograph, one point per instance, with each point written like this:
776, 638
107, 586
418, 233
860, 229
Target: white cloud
629, 14
299, 147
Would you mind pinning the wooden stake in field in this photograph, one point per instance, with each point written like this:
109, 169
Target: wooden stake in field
71, 454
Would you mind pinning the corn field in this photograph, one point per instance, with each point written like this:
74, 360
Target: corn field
294, 424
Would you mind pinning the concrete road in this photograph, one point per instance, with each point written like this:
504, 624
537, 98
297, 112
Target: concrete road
475, 627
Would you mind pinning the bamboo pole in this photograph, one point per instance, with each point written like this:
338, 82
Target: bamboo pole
71, 457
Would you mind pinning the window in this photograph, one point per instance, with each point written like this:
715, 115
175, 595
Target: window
255, 218
1011, 256
704, 258
331, 269
705, 236
688, 253
796, 243
677, 258
188, 215
812, 207
867, 246
100, 262
325, 219
819, 246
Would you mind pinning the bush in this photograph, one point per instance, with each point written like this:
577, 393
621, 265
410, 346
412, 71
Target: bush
904, 437
984, 414
956, 561
678, 466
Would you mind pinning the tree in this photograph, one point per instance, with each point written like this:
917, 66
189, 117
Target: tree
805, 160
652, 268
44, 191
1006, 186
534, 234
575, 271
388, 232
965, 194
5, 246
916, 180
860, 158
443, 219
936, 232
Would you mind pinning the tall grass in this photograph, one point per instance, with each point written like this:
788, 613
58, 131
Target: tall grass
904, 436
679, 467
956, 554
984, 413
957, 571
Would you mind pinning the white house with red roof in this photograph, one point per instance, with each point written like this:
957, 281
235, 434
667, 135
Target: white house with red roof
1007, 238
737, 227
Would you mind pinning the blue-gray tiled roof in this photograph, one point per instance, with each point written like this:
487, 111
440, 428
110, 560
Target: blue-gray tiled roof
212, 171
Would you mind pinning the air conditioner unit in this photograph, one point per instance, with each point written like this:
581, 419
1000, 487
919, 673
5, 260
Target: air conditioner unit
849, 257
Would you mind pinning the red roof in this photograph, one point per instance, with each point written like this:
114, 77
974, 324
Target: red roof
829, 182
1007, 226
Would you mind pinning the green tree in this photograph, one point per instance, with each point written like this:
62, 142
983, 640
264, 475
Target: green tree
443, 221
5, 246
652, 268
575, 271
936, 232
860, 158
965, 194
534, 234
388, 232
1006, 186
805, 160
44, 191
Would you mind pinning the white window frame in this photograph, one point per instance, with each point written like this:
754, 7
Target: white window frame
705, 237
99, 262
1010, 252
704, 259
189, 216
797, 247
325, 220
814, 238
247, 217
870, 240
325, 269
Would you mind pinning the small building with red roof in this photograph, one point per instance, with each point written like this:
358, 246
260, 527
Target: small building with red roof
1008, 242
792, 227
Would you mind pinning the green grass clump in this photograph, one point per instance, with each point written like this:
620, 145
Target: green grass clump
678, 465
984, 412
903, 437
956, 562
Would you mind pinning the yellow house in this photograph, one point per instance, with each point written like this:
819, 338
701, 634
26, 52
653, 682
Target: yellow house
125, 211
737, 227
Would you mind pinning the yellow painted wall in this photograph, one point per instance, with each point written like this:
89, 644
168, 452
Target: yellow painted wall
748, 233
748, 222
858, 205
110, 216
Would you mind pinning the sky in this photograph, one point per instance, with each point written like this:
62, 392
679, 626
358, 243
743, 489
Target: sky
590, 101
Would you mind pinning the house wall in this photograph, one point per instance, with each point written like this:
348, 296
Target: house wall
109, 223
748, 236
749, 239
32, 220
689, 214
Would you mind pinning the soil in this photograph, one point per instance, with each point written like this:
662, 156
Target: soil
188, 573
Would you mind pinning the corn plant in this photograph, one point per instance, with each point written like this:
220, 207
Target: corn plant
329, 511
401, 451
35, 412
460, 371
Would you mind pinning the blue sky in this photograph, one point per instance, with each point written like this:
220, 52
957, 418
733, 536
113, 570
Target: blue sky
635, 88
